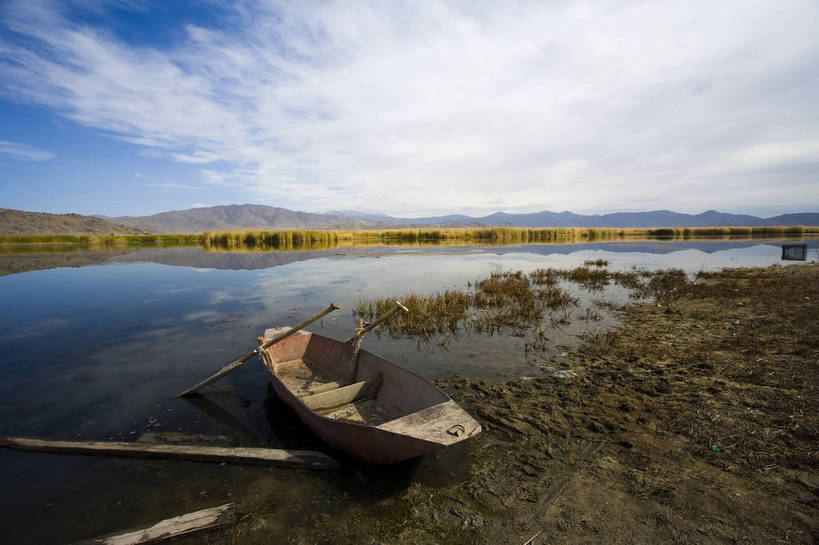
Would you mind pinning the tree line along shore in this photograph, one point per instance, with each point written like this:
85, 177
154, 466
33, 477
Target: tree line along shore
288, 239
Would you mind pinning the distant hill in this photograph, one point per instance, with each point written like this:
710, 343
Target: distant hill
656, 218
19, 222
241, 216
794, 219
254, 216
448, 220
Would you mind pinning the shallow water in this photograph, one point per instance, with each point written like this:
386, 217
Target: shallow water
96, 345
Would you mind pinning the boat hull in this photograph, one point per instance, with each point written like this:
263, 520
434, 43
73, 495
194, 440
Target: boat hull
421, 418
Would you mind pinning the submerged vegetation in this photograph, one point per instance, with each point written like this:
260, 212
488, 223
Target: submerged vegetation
504, 301
516, 302
318, 239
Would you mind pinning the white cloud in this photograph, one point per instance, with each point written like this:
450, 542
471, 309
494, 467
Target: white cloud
169, 186
416, 108
24, 151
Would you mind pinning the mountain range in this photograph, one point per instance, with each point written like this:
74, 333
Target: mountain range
656, 218
260, 217
253, 216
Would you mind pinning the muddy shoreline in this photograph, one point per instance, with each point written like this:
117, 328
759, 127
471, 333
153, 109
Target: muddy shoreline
697, 421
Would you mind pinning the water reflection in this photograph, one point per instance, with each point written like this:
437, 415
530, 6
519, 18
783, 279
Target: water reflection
96, 344
19, 259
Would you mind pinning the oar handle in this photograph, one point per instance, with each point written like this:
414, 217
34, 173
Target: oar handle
232, 366
361, 332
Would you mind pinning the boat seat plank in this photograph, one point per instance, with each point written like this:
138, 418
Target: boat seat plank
371, 412
345, 394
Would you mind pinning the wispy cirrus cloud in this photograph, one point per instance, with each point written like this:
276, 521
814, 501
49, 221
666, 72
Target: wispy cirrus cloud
24, 152
437, 106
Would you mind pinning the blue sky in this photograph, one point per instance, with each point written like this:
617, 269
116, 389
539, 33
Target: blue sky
410, 108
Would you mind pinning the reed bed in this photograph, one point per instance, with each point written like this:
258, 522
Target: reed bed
317, 239
274, 239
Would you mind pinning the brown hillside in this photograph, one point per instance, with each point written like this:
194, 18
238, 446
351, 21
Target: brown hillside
19, 222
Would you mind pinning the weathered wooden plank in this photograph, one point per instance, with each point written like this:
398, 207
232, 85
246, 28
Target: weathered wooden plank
345, 394
298, 458
188, 523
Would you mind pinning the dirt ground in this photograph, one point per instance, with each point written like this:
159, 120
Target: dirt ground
697, 421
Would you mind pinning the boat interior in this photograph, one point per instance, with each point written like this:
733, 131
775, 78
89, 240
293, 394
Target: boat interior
322, 374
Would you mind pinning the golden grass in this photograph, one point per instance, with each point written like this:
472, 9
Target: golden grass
289, 239
316, 239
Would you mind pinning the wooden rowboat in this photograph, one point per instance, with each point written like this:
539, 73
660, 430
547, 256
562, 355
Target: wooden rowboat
383, 414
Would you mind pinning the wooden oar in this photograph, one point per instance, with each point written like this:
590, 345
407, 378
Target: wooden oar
360, 333
232, 366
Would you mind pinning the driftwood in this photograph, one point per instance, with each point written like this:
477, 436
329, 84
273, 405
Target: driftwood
232, 366
240, 455
197, 521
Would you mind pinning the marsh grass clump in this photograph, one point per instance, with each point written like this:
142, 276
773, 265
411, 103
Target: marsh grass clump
596, 263
545, 277
428, 315
658, 285
506, 300
503, 287
556, 298
594, 279
662, 285
631, 280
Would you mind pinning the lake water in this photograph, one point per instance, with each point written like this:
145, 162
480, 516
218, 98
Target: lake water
96, 345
